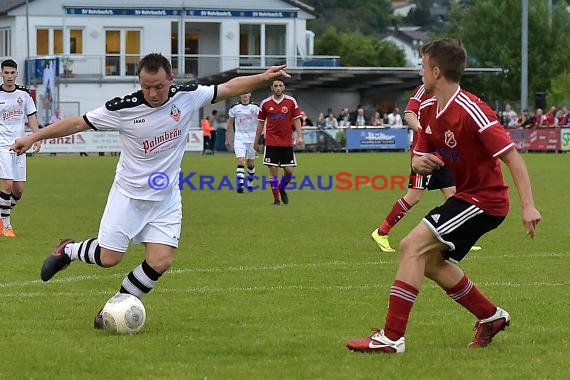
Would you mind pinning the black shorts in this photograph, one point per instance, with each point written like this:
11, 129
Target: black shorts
440, 179
279, 156
459, 224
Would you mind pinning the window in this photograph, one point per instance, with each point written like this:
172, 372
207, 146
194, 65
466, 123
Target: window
262, 45
5, 42
49, 41
122, 51
75, 41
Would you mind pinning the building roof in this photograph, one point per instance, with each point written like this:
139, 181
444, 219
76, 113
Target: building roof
345, 78
8, 5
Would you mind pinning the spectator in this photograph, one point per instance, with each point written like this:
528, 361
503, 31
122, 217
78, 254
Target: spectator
331, 121
360, 119
305, 121
344, 118
541, 120
526, 119
212, 120
321, 121
394, 119
207, 130
510, 117
562, 117
376, 120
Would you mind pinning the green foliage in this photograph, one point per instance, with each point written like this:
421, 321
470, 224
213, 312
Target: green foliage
559, 93
264, 292
491, 32
370, 17
356, 49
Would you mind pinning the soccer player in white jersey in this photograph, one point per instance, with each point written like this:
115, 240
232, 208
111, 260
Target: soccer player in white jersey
16, 108
144, 203
243, 116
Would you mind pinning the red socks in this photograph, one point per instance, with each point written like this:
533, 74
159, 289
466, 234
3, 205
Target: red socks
400, 208
467, 295
402, 298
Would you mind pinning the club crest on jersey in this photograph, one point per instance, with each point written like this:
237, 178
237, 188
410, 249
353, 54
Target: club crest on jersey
284, 109
450, 139
175, 113
20, 101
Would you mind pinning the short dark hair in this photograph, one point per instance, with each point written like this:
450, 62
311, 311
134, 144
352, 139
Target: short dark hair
9, 63
153, 62
449, 55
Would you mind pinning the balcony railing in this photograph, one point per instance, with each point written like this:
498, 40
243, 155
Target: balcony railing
78, 68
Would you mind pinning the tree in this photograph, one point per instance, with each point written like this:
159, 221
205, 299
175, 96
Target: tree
491, 33
370, 17
356, 49
558, 94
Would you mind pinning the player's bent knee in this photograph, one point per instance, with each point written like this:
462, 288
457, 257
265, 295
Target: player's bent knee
110, 258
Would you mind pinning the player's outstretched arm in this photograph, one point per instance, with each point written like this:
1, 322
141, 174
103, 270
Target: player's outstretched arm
531, 216
64, 127
244, 84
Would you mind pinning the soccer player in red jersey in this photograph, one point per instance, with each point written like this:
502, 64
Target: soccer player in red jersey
440, 179
462, 132
278, 113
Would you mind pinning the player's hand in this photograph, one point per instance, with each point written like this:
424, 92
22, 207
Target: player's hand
256, 146
276, 72
531, 217
22, 145
228, 144
426, 164
37, 146
299, 141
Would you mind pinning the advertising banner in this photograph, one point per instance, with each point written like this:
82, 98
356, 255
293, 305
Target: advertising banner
565, 139
105, 142
544, 139
377, 139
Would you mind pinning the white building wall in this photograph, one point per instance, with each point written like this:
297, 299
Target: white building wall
218, 36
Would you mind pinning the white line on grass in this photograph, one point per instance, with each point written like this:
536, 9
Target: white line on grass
81, 278
245, 268
253, 289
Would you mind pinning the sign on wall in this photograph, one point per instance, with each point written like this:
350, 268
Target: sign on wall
377, 139
105, 142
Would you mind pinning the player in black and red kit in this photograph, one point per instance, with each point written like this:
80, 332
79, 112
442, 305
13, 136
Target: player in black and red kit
464, 131
278, 113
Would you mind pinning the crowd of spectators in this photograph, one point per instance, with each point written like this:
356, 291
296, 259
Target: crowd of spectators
552, 118
358, 118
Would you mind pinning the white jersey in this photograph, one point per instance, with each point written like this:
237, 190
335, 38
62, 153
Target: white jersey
15, 107
245, 121
152, 139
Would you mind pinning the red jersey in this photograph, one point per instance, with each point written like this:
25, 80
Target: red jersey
468, 137
413, 106
279, 116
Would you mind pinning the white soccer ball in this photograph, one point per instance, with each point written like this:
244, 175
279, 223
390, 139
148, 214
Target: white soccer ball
123, 314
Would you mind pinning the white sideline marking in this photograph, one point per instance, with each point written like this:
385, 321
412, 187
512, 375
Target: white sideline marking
251, 289
80, 278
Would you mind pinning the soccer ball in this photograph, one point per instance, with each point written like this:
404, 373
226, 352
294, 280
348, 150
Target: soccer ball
123, 314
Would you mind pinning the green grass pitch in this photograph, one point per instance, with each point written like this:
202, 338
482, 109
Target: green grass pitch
264, 292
